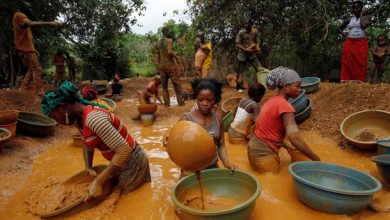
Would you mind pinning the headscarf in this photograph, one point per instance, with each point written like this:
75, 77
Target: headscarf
281, 76
66, 92
89, 92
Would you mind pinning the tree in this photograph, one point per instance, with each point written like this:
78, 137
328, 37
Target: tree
294, 32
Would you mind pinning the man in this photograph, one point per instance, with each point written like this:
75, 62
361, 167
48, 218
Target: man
168, 66
59, 62
71, 67
23, 42
203, 55
248, 45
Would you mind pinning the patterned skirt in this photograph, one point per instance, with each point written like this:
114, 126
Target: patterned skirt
261, 157
135, 173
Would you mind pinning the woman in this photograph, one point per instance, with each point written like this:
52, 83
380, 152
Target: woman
102, 130
207, 93
355, 48
277, 120
247, 112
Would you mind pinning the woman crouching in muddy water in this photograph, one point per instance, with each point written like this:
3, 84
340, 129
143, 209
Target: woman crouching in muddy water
207, 93
275, 121
102, 130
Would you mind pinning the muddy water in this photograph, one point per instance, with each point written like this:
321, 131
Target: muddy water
152, 201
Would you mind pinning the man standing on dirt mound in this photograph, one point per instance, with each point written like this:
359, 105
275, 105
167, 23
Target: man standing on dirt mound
23, 42
168, 66
248, 45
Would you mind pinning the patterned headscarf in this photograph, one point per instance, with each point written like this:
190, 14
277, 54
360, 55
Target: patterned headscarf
66, 92
281, 76
89, 92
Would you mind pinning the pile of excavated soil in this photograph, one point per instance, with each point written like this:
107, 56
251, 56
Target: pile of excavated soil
334, 102
18, 100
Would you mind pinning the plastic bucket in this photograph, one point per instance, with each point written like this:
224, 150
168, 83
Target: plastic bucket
8, 117
227, 120
12, 128
147, 119
262, 76
383, 146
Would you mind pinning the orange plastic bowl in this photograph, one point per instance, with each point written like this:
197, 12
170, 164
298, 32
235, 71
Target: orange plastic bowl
190, 146
147, 108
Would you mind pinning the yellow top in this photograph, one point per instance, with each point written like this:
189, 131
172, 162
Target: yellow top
207, 62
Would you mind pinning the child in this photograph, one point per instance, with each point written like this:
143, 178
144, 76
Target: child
247, 112
59, 62
379, 52
275, 121
116, 89
207, 93
150, 90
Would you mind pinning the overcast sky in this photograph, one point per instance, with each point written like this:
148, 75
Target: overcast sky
154, 15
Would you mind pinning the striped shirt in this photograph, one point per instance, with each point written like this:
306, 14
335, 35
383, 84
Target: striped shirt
103, 130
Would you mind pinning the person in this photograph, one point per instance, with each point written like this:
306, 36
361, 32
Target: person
207, 93
71, 67
90, 93
100, 129
23, 43
248, 45
246, 114
379, 53
116, 88
275, 121
168, 66
203, 55
59, 62
149, 91
355, 48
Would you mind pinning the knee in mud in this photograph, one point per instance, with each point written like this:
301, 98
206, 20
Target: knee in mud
266, 164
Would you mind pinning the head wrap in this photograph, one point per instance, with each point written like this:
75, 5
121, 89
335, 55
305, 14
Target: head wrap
66, 92
89, 92
281, 76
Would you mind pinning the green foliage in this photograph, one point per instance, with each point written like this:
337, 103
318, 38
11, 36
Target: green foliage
299, 34
92, 29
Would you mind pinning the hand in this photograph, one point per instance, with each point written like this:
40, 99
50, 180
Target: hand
92, 172
95, 190
231, 166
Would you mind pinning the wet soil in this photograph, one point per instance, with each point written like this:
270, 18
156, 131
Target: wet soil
28, 161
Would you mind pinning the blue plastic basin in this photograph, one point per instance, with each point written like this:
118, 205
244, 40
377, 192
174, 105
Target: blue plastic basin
310, 84
332, 188
383, 165
383, 147
300, 102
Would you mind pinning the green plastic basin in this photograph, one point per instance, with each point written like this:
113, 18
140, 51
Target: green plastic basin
33, 124
239, 185
227, 120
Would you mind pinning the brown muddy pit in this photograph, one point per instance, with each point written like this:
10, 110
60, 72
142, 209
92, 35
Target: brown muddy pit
60, 159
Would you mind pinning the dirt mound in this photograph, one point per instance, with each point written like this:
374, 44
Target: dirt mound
334, 102
18, 100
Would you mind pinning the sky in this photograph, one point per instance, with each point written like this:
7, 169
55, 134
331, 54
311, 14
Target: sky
153, 15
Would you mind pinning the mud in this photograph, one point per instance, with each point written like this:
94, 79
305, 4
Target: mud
53, 195
27, 162
366, 136
210, 202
